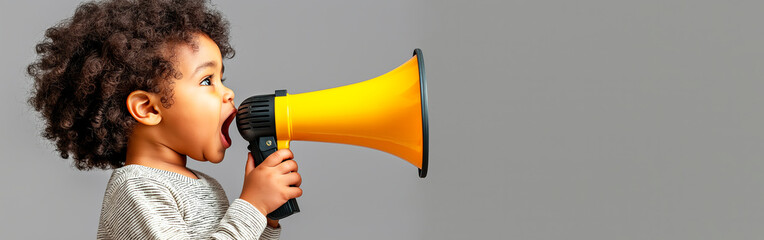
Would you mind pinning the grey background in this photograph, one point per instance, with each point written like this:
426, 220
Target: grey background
549, 119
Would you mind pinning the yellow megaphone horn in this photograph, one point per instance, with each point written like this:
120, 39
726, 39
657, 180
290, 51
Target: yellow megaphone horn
387, 113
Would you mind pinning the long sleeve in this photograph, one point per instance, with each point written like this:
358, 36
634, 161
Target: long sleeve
145, 208
270, 233
240, 205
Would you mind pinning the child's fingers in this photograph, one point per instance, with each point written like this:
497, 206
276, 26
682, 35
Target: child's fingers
294, 192
277, 157
299, 180
250, 165
288, 166
293, 179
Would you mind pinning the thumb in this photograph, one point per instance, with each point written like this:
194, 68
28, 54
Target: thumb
250, 163
278, 157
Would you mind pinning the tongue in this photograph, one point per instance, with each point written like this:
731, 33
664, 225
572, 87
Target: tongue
227, 138
225, 132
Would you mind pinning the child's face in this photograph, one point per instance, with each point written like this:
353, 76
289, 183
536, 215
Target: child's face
196, 124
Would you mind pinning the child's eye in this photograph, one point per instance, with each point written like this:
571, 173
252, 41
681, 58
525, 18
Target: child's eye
206, 81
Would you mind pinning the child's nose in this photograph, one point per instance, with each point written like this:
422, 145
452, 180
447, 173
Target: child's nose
228, 95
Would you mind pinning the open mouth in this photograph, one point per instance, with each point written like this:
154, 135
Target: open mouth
225, 138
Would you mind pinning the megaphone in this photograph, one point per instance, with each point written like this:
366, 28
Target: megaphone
387, 113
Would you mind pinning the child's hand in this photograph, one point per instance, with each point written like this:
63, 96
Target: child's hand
267, 186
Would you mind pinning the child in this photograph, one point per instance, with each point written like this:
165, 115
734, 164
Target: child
136, 86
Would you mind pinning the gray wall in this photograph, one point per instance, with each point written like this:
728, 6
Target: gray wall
549, 119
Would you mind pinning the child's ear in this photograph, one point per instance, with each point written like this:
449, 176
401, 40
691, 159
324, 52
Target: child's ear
144, 107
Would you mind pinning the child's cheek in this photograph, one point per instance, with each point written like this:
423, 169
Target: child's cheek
194, 121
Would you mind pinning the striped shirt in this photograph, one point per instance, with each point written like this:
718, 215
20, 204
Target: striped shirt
147, 203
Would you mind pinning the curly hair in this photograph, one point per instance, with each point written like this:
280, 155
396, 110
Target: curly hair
89, 64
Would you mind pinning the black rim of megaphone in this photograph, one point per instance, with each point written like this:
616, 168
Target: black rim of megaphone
425, 128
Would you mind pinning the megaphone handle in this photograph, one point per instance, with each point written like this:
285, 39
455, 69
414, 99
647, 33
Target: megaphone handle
264, 148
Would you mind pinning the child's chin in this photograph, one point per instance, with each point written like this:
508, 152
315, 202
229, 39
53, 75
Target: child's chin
217, 159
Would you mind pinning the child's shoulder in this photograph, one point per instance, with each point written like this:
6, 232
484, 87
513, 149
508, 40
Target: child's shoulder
133, 176
138, 175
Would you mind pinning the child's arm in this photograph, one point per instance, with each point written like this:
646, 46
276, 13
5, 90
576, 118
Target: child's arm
147, 208
143, 208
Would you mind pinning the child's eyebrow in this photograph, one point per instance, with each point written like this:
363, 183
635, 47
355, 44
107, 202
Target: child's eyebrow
204, 65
